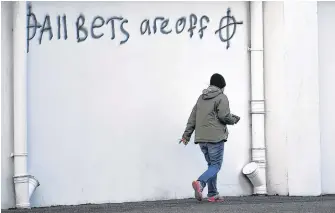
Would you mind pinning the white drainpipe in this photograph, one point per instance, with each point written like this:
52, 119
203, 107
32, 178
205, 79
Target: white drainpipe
24, 184
258, 178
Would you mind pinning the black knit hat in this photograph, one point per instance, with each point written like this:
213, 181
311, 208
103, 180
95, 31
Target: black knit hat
218, 81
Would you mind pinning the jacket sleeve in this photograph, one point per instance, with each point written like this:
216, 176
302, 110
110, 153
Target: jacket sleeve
223, 111
190, 124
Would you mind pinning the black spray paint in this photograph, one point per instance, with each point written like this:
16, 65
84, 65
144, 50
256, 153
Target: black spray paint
46, 28
97, 27
166, 27
59, 26
228, 24
97, 23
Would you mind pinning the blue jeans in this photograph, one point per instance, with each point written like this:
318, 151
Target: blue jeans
214, 156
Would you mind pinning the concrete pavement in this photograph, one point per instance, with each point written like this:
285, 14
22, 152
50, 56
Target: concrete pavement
251, 204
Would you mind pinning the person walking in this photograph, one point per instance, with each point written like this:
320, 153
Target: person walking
209, 119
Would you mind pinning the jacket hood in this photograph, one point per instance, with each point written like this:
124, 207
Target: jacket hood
211, 92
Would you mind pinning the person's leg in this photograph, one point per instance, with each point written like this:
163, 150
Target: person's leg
212, 190
198, 186
215, 154
213, 194
204, 149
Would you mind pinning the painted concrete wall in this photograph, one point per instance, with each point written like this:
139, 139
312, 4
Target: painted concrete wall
326, 19
275, 95
302, 85
7, 170
105, 119
292, 98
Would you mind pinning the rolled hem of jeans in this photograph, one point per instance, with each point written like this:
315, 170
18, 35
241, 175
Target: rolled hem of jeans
212, 194
202, 183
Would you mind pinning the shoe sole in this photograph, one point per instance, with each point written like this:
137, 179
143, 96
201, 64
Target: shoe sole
215, 201
197, 193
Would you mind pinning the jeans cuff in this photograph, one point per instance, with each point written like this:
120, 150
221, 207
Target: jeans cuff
202, 183
212, 194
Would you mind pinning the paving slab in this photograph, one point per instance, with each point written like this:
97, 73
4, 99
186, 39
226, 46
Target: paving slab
250, 204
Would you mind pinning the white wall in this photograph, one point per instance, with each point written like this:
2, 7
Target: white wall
304, 177
275, 94
326, 21
292, 93
104, 119
7, 170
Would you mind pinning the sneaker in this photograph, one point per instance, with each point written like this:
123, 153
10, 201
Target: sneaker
197, 190
215, 198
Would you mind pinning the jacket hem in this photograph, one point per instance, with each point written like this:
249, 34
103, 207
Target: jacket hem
204, 141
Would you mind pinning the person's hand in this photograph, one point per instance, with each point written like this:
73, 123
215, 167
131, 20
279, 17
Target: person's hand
237, 118
184, 141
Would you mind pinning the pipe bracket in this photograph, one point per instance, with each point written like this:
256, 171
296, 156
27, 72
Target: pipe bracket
263, 148
18, 154
258, 155
257, 107
251, 49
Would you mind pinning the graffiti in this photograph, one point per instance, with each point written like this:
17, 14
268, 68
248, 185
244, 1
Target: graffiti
228, 24
179, 26
97, 23
59, 27
82, 28
96, 27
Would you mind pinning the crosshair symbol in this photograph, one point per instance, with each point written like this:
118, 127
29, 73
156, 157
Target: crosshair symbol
229, 35
32, 23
